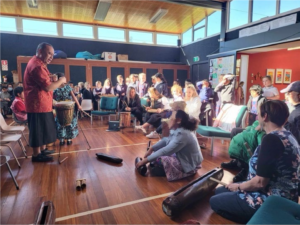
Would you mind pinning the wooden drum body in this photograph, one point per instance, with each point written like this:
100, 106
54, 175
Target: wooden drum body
64, 112
125, 118
192, 192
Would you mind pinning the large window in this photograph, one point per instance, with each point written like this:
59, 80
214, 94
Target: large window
187, 37
140, 37
39, 27
263, 8
167, 39
287, 5
238, 13
111, 34
75, 30
200, 24
199, 34
8, 24
214, 23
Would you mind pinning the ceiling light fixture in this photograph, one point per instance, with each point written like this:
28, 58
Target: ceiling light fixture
32, 4
295, 48
158, 15
102, 9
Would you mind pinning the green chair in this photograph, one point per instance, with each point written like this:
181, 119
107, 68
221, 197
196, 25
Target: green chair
108, 106
217, 133
277, 210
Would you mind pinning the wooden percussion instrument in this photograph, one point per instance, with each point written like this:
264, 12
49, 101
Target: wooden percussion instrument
192, 192
64, 112
125, 118
46, 214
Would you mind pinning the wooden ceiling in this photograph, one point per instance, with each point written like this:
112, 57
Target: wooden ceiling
122, 13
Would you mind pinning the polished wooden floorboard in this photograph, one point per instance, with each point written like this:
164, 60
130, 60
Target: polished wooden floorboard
107, 184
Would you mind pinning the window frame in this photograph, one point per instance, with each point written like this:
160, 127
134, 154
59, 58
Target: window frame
250, 13
40, 20
16, 24
98, 38
76, 37
139, 31
156, 43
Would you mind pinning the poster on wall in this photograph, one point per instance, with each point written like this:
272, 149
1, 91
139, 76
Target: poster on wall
220, 66
271, 73
279, 76
287, 78
4, 65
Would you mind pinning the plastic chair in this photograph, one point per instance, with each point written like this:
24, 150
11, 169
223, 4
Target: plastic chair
108, 106
86, 105
6, 139
4, 160
6, 129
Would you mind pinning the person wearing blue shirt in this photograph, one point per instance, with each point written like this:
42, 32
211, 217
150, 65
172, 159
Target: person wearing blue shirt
205, 94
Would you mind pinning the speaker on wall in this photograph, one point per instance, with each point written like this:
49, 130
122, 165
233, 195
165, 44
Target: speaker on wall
179, 42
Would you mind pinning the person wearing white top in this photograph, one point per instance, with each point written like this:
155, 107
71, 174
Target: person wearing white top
193, 103
270, 92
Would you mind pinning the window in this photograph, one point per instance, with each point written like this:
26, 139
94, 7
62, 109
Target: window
214, 23
199, 34
263, 8
200, 24
80, 31
8, 24
140, 37
238, 13
39, 27
187, 37
287, 5
111, 34
166, 39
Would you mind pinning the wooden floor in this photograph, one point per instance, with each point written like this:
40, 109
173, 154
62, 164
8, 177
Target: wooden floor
115, 194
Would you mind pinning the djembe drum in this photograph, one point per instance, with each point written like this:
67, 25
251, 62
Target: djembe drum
64, 115
125, 118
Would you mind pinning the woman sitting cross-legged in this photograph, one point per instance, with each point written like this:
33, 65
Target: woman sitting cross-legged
159, 108
273, 169
177, 155
132, 104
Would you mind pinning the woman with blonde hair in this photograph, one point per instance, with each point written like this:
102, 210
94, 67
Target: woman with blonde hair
193, 103
158, 109
107, 88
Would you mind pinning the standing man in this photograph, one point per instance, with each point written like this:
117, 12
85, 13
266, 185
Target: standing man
38, 93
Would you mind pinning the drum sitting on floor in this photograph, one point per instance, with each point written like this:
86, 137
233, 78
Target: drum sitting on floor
125, 118
64, 112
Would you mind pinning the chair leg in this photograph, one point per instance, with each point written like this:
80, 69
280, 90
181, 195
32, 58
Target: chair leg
91, 119
22, 147
12, 176
12, 152
25, 138
212, 146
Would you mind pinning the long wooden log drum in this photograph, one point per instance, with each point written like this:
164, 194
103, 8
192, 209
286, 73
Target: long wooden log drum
191, 193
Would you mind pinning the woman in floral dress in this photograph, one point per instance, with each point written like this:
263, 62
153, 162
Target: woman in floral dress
65, 93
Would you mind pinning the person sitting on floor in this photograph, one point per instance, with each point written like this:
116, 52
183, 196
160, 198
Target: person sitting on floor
4, 101
18, 105
178, 155
193, 103
155, 111
273, 169
132, 103
205, 94
107, 88
256, 98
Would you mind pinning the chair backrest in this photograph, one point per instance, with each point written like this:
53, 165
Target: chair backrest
241, 116
86, 104
3, 124
109, 103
